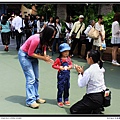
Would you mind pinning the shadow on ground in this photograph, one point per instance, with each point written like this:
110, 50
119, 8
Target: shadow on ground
16, 99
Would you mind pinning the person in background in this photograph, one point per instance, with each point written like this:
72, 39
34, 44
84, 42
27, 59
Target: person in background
89, 41
57, 39
50, 22
11, 27
93, 79
1, 16
35, 25
77, 40
18, 24
30, 52
38, 25
97, 43
63, 64
68, 26
5, 32
42, 22
27, 28
115, 40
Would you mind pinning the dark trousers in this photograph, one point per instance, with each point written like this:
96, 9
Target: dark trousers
88, 46
56, 40
5, 38
90, 103
18, 39
75, 42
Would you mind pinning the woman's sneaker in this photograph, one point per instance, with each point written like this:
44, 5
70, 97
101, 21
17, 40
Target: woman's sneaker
115, 63
60, 104
33, 105
41, 101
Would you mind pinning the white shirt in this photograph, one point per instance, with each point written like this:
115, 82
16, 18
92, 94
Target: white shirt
17, 23
98, 42
38, 26
93, 79
86, 32
115, 29
70, 25
58, 27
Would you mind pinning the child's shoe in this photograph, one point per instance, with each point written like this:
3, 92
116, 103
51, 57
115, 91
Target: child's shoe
60, 104
67, 103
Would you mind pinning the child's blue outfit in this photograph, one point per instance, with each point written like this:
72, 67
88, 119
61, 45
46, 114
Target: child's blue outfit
63, 77
63, 83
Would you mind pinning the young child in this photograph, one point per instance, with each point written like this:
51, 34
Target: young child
63, 64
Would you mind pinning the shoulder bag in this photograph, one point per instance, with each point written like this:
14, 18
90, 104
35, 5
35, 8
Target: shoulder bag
93, 33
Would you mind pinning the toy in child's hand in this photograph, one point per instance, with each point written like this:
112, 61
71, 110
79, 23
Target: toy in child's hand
65, 67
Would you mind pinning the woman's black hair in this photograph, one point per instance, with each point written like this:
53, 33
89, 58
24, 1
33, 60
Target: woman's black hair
95, 54
4, 20
55, 20
46, 34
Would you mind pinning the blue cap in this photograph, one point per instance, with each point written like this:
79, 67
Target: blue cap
63, 47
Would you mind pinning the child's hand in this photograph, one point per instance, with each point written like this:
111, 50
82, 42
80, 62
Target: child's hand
69, 67
62, 68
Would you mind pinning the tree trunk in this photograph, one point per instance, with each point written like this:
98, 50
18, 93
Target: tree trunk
61, 11
104, 9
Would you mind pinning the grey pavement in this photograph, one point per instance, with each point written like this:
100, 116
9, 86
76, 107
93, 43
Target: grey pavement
12, 86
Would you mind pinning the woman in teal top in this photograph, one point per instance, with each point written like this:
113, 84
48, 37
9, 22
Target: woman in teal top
5, 32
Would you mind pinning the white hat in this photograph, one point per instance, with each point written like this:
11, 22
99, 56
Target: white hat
81, 16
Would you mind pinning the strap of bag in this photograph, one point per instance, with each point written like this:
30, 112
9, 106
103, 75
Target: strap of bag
67, 27
22, 23
58, 28
79, 28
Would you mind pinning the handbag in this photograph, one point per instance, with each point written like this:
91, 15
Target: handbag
75, 34
93, 33
83, 36
106, 98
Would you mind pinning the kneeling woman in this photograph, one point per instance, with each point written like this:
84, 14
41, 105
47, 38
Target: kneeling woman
29, 54
93, 79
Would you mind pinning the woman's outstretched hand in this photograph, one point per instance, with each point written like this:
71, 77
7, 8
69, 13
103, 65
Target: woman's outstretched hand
48, 59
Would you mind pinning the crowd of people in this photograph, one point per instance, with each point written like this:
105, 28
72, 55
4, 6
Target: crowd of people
13, 27
42, 36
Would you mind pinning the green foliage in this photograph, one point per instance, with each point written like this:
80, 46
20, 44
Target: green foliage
28, 5
108, 19
47, 10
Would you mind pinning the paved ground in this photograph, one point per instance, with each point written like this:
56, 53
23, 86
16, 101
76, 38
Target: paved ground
12, 86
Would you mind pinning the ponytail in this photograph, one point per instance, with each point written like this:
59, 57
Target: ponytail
100, 63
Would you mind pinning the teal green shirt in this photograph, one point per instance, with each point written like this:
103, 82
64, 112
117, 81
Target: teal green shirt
5, 28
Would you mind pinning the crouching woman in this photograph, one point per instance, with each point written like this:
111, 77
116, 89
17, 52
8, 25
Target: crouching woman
93, 79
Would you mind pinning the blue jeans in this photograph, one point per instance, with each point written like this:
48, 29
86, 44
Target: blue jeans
30, 69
